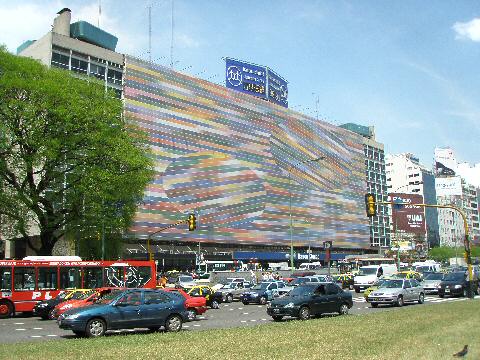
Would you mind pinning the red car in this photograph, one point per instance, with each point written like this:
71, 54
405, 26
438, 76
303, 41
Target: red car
87, 299
195, 305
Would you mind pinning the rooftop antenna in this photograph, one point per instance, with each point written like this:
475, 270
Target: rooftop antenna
171, 42
99, 12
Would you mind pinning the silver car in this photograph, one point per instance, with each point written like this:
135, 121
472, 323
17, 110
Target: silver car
397, 292
431, 281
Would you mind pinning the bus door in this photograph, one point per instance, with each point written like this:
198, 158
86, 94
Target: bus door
24, 295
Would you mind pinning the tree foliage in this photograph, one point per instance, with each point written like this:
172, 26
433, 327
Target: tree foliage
69, 161
444, 253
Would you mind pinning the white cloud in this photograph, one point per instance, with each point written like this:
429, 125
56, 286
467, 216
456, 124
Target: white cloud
468, 30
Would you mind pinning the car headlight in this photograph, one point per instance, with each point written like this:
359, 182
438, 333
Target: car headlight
290, 305
439, 287
73, 316
458, 286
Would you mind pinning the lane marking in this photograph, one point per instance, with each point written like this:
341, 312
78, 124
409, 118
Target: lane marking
231, 309
243, 321
264, 319
18, 323
196, 325
253, 320
36, 336
240, 308
245, 313
186, 326
52, 335
37, 328
20, 329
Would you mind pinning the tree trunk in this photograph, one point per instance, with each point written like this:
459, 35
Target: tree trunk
47, 241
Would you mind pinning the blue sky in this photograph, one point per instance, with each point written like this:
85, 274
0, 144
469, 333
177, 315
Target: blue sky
410, 68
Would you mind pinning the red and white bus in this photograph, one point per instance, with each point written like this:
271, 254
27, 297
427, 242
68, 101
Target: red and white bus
25, 282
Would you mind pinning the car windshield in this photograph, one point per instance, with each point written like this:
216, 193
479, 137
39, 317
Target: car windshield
302, 290
261, 286
108, 297
367, 271
392, 284
457, 276
380, 282
61, 295
434, 276
185, 279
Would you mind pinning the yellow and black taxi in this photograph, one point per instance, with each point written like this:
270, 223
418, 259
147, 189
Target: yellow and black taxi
212, 297
408, 274
45, 308
345, 281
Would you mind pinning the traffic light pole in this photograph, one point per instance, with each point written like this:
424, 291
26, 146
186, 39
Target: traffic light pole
149, 250
466, 241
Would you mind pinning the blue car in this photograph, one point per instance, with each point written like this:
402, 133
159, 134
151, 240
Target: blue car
261, 293
134, 308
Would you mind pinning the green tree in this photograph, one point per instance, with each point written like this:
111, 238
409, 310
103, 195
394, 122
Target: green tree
69, 161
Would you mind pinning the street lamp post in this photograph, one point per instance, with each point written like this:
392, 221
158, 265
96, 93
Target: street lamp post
290, 204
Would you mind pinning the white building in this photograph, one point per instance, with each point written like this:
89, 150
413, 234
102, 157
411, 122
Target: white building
406, 175
453, 189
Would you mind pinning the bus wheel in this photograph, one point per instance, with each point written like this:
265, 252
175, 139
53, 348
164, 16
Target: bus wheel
6, 309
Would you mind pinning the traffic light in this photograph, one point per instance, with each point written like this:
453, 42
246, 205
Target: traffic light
192, 222
370, 205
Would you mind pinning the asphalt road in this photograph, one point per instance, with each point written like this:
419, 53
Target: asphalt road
23, 328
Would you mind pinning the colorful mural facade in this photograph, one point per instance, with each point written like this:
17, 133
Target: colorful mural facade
252, 172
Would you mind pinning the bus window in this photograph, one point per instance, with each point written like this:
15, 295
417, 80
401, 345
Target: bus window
92, 277
114, 276
47, 278
138, 276
5, 278
70, 278
24, 278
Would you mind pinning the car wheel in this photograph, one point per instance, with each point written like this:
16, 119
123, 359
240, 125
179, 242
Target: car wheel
215, 304
263, 300
343, 310
400, 300
229, 298
245, 302
277, 317
357, 290
173, 323
304, 313
374, 305
96, 328
6, 309
350, 287
421, 298
51, 314
441, 295
191, 314
79, 333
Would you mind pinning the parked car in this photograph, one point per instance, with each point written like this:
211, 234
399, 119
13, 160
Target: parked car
185, 282
134, 308
397, 292
456, 284
195, 305
431, 281
309, 300
302, 280
323, 278
233, 291
89, 298
213, 298
261, 293
45, 308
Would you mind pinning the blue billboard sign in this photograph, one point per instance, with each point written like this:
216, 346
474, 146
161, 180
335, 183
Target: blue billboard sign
247, 78
277, 89
256, 80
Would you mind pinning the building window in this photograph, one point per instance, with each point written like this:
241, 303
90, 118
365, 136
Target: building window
60, 60
97, 71
114, 77
79, 66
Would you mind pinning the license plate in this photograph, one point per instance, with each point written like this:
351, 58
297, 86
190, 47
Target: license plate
447, 290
